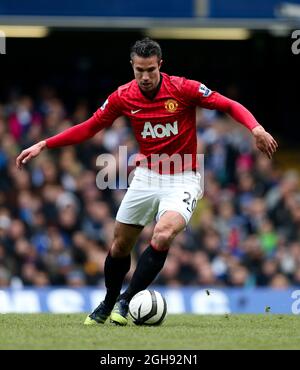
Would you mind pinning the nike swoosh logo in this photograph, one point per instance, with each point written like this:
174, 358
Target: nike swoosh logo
135, 111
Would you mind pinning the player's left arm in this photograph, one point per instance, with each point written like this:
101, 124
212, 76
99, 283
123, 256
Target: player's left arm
264, 141
200, 95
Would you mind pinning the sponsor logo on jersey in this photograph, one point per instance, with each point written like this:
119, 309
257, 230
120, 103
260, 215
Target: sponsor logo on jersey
159, 130
171, 105
205, 91
104, 104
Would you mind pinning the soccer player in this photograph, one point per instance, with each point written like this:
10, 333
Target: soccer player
162, 112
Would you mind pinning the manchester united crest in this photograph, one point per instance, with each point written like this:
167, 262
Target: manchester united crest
171, 105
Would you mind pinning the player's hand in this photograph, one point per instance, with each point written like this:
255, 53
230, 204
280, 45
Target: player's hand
29, 153
264, 141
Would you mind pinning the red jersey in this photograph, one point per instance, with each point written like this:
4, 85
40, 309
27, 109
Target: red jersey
164, 127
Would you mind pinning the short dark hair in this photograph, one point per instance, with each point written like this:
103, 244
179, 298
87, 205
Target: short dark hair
146, 48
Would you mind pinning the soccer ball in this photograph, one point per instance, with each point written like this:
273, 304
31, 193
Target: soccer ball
148, 307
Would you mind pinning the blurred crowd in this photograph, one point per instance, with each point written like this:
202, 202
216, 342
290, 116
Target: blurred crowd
56, 225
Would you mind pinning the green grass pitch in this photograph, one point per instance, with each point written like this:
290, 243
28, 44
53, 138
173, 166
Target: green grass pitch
56, 331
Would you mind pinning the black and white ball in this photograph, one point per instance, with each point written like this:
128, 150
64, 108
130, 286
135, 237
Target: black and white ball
148, 307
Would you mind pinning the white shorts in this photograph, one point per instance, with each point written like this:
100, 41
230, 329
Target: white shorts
151, 194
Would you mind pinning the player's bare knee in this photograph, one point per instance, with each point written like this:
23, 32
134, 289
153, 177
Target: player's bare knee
119, 249
162, 238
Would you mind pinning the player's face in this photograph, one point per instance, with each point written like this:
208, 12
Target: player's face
146, 72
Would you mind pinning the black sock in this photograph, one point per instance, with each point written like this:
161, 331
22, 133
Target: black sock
149, 265
115, 270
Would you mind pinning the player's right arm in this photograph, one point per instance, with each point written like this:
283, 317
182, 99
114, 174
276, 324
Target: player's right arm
102, 118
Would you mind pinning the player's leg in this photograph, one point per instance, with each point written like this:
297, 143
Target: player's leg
179, 195
177, 203
137, 209
116, 266
120, 310
153, 258
150, 262
117, 262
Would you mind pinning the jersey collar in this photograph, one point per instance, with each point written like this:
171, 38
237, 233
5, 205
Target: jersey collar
156, 90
